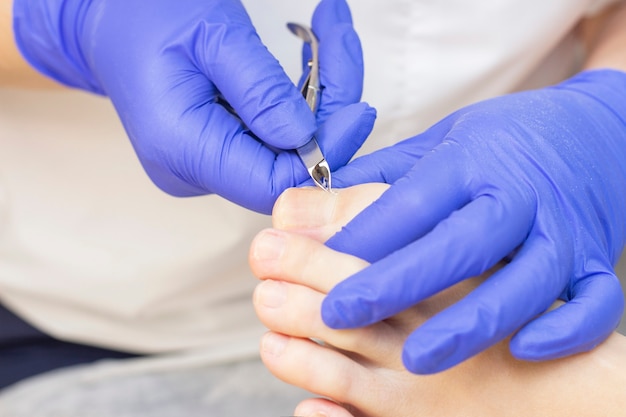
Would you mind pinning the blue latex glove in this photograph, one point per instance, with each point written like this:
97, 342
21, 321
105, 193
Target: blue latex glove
168, 66
542, 171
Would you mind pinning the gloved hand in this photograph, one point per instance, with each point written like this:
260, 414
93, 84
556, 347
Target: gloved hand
169, 66
539, 176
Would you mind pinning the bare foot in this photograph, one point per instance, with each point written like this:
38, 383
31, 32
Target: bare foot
361, 370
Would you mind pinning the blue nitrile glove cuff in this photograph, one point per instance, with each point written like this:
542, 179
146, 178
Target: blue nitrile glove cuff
50, 44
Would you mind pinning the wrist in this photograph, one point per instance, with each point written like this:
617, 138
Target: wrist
605, 39
48, 35
14, 70
606, 85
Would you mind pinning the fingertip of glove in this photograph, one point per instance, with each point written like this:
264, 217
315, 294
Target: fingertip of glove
331, 315
368, 118
338, 313
341, 55
425, 360
352, 116
352, 46
331, 12
371, 111
573, 327
287, 127
344, 132
254, 202
363, 110
533, 347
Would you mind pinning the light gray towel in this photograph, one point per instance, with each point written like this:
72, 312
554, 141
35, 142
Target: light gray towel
230, 390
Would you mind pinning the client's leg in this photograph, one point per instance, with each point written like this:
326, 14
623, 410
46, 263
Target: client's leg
26, 351
362, 368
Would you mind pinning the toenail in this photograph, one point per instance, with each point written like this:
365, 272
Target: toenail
271, 293
274, 344
303, 208
268, 245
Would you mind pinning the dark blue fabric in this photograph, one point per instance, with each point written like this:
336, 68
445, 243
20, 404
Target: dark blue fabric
26, 351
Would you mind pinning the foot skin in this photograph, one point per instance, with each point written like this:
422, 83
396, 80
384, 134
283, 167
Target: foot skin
361, 370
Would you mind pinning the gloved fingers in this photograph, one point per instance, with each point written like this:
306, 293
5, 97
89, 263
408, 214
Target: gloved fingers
190, 161
579, 325
465, 244
224, 158
409, 209
342, 135
340, 58
389, 164
382, 166
340, 55
260, 93
344, 139
338, 152
327, 14
339, 138
495, 309
344, 132
341, 70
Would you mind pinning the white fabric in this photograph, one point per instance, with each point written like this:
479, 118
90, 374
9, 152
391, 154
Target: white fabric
424, 59
91, 251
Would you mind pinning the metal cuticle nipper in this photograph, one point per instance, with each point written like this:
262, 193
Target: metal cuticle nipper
310, 153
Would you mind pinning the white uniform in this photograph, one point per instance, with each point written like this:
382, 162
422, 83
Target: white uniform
92, 252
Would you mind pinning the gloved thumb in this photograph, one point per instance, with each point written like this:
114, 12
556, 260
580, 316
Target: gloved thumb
389, 164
